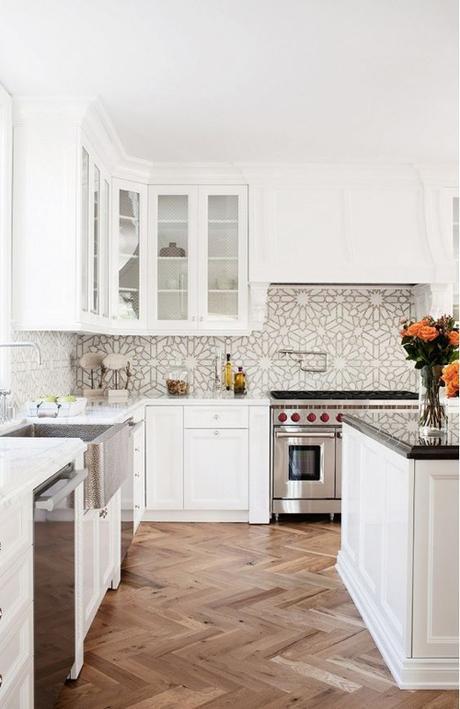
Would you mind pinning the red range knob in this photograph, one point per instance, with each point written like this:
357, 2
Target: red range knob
311, 417
282, 417
339, 418
324, 418
295, 417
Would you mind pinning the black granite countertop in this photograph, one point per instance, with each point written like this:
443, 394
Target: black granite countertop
398, 430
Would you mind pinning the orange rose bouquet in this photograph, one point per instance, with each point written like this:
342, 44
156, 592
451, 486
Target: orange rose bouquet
433, 345
430, 342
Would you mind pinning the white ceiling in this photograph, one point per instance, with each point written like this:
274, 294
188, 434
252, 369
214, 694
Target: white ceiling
248, 80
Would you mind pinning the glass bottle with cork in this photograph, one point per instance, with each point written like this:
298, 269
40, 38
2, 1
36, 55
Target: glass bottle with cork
239, 382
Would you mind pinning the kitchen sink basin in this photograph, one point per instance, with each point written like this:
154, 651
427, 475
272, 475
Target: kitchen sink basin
107, 455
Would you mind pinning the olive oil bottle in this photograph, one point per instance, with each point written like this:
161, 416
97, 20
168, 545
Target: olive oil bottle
228, 374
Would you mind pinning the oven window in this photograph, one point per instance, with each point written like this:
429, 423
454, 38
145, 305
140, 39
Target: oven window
305, 463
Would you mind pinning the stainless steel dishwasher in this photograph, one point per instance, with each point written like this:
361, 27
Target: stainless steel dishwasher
54, 584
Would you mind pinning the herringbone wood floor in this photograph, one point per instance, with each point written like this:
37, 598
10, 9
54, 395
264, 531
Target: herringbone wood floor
232, 615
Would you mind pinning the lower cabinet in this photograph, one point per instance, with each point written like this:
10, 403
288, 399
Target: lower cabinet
216, 469
100, 556
207, 462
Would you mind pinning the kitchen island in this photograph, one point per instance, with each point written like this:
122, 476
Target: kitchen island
399, 549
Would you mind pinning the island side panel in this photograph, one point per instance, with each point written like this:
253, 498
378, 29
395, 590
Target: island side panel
436, 567
375, 560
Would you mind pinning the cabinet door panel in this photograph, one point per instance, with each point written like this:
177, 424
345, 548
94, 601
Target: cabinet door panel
215, 469
91, 568
173, 228
435, 604
129, 262
223, 257
164, 457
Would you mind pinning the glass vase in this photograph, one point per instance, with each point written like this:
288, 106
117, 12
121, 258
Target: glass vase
432, 411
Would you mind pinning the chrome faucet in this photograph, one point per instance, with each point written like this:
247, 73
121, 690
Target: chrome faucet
4, 393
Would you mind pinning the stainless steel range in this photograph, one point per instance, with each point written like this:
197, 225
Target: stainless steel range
307, 444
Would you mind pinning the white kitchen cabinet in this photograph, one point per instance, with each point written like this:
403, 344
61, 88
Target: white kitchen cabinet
60, 223
216, 469
130, 259
100, 556
198, 236
164, 457
207, 462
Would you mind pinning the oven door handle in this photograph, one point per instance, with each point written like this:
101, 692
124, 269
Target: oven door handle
282, 434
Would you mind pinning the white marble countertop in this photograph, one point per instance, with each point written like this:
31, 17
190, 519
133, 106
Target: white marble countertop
101, 412
26, 463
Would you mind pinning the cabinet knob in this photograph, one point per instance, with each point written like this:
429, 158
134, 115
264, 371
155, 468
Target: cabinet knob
138, 450
137, 507
193, 318
216, 433
137, 475
201, 318
216, 416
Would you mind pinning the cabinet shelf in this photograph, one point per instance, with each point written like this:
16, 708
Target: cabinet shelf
172, 290
222, 221
223, 290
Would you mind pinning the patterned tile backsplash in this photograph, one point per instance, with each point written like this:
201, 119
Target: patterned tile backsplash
55, 375
357, 327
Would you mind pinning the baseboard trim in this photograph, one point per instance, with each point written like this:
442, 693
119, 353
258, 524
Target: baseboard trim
408, 672
196, 516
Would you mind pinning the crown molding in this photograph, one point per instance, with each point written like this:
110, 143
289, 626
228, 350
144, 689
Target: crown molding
89, 114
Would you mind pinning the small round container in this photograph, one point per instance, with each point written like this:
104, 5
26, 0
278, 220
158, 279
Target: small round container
177, 380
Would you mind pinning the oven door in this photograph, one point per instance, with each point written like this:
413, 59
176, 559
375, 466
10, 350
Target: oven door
304, 463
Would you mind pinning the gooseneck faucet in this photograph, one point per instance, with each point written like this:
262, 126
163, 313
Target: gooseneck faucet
6, 392
24, 344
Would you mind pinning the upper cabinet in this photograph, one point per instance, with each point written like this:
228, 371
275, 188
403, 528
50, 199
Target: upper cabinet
61, 223
129, 255
198, 239
94, 252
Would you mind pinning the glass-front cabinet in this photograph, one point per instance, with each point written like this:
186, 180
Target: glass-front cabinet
129, 254
172, 216
223, 256
95, 233
198, 277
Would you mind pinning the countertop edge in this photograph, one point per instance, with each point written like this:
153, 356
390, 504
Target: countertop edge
404, 449
43, 469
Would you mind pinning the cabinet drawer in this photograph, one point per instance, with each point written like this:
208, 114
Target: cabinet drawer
15, 531
215, 416
16, 591
16, 651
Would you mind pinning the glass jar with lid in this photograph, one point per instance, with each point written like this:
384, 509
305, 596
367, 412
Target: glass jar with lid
177, 380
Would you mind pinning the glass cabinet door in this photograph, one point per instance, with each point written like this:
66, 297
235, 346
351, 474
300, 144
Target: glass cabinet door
172, 211
129, 251
224, 212
84, 229
96, 241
